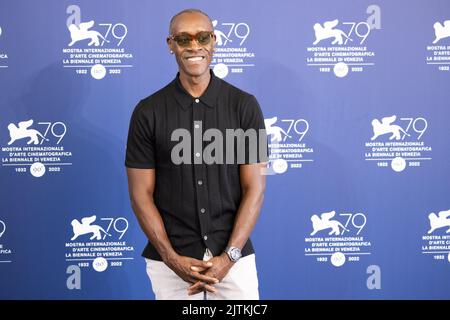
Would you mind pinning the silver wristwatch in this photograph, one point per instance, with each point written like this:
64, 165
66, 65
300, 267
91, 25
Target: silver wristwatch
233, 253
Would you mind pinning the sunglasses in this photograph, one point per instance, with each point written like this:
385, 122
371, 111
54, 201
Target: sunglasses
203, 38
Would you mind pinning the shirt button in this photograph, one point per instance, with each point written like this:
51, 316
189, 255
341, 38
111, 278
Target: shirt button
197, 100
197, 126
200, 182
202, 210
197, 154
205, 238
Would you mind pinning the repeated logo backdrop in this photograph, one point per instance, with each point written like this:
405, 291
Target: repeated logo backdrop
356, 104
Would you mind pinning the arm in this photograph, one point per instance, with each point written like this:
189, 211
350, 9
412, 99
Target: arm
253, 183
141, 184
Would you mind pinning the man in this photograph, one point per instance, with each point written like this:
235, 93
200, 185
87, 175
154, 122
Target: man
197, 215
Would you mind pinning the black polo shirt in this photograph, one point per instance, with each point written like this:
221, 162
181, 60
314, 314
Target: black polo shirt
197, 202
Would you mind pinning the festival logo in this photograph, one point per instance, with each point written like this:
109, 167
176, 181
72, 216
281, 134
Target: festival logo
5, 251
337, 238
98, 243
438, 52
232, 54
436, 240
342, 45
95, 48
398, 143
288, 144
3, 54
36, 147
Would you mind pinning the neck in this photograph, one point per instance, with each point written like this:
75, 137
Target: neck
195, 86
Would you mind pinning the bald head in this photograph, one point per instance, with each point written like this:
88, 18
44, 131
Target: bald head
188, 11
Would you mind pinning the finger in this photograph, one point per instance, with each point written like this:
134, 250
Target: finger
192, 292
204, 278
196, 286
210, 288
199, 287
206, 264
192, 280
201, 263
198, 269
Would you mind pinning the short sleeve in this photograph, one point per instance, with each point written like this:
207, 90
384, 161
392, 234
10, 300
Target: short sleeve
252, 119
140, 151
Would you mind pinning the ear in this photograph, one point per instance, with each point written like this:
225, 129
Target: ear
170, 44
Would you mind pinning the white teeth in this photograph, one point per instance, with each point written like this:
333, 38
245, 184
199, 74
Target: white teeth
195, 58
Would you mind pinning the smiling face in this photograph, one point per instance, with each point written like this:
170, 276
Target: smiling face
194, 59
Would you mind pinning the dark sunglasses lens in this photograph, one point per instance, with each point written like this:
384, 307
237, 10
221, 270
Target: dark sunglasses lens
203, 38
183, 40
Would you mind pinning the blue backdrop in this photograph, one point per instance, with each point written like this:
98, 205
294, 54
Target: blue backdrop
356, 100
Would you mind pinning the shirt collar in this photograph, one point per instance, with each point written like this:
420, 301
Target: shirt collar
209, 97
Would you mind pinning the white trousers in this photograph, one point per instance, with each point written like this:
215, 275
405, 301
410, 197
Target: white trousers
241, 282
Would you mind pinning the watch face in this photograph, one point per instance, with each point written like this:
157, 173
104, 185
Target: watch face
235, 254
